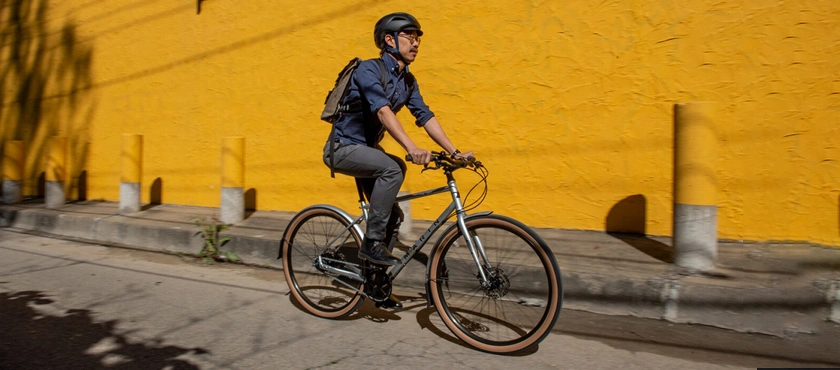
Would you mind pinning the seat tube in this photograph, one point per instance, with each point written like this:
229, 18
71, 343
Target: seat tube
460, 214
365, 207
337, 237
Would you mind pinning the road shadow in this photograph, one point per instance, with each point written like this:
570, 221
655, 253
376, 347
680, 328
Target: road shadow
626, 222
32, 340
425, 320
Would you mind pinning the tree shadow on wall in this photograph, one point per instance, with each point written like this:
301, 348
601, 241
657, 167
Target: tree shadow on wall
31, 340
626, 222
45, 80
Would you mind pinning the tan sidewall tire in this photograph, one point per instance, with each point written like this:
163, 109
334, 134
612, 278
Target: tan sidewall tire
554, 305
293, 226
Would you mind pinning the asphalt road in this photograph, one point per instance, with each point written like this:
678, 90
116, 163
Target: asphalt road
71, 305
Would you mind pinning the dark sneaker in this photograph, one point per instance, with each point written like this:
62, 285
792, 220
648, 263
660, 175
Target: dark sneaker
392, 303
375, 252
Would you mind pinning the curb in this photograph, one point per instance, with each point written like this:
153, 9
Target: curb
780, 304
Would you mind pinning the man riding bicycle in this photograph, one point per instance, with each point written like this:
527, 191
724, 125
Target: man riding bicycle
355, 143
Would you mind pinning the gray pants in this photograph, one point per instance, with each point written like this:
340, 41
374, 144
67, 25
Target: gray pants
381, 175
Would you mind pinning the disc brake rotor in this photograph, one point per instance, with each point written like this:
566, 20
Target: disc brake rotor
498, 283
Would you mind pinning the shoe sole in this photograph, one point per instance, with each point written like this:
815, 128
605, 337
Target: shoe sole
380, 305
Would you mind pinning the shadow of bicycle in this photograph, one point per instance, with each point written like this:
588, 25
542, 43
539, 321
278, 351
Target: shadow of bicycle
427, 318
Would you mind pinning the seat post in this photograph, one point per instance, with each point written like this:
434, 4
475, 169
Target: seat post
361, 190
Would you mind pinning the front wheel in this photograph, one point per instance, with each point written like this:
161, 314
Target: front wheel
321, 231
520, 302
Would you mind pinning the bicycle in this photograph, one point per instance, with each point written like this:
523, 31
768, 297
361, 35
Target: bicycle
498, 290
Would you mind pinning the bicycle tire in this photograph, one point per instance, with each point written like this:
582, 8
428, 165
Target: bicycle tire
522, 306
318, 293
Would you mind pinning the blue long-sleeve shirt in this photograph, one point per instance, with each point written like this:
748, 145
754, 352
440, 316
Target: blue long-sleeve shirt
401, 89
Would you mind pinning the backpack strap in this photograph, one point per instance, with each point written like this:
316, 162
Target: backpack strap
332, 151
383, 72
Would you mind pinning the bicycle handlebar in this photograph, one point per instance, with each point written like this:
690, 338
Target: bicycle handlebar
442, 158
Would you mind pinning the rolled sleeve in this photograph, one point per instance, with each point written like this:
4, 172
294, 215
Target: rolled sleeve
367, 79
418, 107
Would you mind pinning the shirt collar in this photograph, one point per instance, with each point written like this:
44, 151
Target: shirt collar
392, 65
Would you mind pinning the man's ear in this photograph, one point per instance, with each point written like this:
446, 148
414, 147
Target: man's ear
389, 40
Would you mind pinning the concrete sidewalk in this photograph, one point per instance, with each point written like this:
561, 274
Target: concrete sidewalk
774, 288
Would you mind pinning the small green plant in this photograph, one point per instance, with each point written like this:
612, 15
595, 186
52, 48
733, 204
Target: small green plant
210, 230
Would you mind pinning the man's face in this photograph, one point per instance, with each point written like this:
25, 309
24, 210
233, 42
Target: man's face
409, 45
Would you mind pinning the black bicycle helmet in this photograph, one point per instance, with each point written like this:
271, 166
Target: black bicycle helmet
392, 24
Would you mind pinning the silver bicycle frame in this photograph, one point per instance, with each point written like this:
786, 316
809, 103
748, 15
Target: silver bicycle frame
473, 243
475, 248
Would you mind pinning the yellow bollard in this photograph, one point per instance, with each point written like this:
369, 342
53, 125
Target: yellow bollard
233, 161
695, 155
14, 156
131, 158
233, 179
695, 186
56, 172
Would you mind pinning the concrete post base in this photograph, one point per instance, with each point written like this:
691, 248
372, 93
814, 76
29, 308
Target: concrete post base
129, 197
233, 205
12, 191
55, 196
695, 236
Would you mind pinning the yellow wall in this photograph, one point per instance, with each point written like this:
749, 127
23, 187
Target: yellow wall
570, 104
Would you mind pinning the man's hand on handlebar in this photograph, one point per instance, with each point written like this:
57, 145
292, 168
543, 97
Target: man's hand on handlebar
419, 156
460, 159
465, 156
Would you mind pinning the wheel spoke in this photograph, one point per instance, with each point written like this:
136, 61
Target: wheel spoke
512, 311
306, 236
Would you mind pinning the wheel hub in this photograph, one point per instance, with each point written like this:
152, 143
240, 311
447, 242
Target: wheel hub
498, 283
328, 258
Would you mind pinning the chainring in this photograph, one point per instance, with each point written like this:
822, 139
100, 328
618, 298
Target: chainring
378, 284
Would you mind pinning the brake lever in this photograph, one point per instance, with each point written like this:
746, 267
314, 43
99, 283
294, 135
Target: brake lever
426, 167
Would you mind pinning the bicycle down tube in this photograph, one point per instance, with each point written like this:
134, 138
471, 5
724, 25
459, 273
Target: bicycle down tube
474, 246
455, 205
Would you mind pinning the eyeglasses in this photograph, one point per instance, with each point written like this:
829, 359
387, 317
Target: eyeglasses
411, 37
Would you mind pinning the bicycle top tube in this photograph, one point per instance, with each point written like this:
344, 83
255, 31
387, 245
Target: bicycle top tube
439, 160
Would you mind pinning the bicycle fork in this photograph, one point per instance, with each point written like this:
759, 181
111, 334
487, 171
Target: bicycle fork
473, 242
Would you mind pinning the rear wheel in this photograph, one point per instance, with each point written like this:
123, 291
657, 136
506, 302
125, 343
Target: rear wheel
306, 236
521, 301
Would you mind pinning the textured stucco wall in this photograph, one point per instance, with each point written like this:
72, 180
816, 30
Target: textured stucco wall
570, 104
